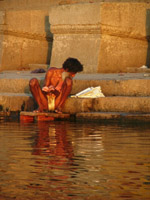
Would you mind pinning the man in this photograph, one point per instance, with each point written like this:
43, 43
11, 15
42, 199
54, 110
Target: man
57, 86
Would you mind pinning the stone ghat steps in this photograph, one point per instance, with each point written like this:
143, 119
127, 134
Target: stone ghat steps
126, 104
126, 95
17, 81
25, 102
16, 102
113, 117
129, 84
86, 116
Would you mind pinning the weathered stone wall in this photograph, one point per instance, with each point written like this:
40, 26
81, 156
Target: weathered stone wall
125, 29
76, 31
105, 37
25, 38
45, 4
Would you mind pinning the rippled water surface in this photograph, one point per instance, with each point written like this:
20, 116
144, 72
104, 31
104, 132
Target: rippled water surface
64, 160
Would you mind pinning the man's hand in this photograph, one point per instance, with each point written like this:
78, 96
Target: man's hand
48, 89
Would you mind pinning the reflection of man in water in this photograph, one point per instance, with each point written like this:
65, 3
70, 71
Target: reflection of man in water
57, 86
52, 141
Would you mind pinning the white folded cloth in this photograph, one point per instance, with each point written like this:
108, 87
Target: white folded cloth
91, 92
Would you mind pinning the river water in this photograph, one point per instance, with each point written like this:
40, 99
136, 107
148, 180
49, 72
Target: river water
68, 160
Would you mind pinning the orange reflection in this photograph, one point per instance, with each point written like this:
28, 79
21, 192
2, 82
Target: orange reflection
52, 141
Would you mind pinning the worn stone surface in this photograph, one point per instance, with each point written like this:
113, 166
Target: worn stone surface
105, 36
76, 34
113, 116
135, 85
39, 4
125, 19
125, 28
108, 104
73, 105
22, 52
77, 105
131, 84
16, 102
122, 104
121, 54
114, 84
17, 81
74, 14
26, 39
83, 47
2, 19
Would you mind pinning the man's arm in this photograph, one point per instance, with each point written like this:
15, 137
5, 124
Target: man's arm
64, 94
48, 76
47, 82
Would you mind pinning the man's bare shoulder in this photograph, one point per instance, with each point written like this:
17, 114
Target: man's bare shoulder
52, 69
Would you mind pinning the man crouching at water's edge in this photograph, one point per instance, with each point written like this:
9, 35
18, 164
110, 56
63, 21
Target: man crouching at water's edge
57, 86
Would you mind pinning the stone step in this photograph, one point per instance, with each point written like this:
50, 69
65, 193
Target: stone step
129, 84
113, 116
115, 85
25, 102
18, 81
108, 104
16, 102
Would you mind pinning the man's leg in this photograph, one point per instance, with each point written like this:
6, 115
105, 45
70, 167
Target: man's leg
65, 91
38, 95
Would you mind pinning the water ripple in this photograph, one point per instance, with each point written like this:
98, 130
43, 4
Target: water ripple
74, 161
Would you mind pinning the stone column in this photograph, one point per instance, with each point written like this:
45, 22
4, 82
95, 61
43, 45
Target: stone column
76, 32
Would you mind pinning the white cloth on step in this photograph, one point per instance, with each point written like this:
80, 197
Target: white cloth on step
91, 92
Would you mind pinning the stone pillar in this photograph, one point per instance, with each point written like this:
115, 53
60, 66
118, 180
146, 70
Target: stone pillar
76, 31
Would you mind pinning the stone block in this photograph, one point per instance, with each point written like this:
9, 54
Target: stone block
76, 34
125, 29
26, 39
114, 116
8, 102
2, 17
84, 47
122, 104
31, 23
76, 105
108, 104
105, 37
125, 19
19, 52
117, 54
75, 14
